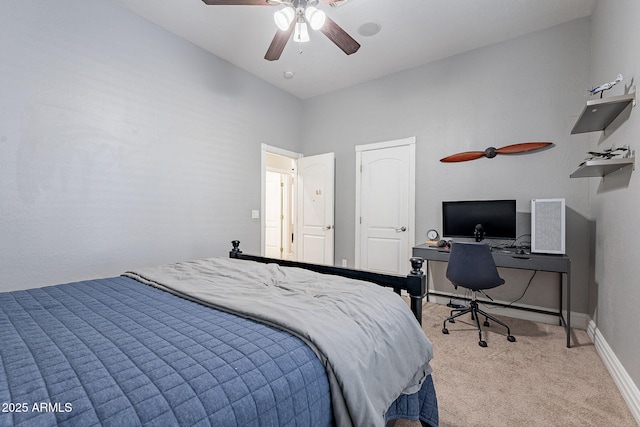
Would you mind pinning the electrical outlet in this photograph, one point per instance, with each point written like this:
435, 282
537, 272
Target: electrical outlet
344, 262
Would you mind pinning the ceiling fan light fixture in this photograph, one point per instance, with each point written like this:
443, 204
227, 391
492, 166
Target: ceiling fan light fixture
301, 32
284, 17
315, 17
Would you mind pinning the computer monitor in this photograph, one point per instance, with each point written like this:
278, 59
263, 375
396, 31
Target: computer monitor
496, 217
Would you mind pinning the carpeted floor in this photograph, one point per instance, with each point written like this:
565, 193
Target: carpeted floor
535, 381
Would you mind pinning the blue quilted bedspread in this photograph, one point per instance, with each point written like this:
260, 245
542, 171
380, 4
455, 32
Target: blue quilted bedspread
117, 352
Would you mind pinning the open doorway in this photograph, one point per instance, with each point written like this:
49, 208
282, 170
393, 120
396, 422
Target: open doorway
279, 218
297, 206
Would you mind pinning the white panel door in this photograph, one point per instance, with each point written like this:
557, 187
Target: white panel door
386, 202
315, 226
273, 215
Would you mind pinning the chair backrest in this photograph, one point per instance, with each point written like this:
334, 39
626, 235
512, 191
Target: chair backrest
471, 266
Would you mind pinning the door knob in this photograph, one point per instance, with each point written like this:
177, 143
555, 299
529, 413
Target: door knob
401, 229
328, 227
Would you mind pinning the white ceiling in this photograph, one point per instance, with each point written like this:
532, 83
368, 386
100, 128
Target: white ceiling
414, 32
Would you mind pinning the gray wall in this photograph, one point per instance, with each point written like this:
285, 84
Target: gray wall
528, 89
122, 145
616, 200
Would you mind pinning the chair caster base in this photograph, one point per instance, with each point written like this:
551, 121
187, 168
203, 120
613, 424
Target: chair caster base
511, 338
445, 331
482, 343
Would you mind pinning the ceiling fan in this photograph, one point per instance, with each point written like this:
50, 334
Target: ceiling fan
491, 152
293, 19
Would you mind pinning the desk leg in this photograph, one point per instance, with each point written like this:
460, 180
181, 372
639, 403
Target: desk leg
567, 320
569, 308
561, 320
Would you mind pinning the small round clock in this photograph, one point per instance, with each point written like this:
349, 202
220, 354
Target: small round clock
432, 234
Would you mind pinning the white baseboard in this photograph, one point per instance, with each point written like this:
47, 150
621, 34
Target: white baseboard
627, 387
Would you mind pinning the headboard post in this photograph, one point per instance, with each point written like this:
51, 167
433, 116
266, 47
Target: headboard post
236, 249
417, 286
416, 266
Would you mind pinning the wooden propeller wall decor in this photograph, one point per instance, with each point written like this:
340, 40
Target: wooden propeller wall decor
333, 31
491, 152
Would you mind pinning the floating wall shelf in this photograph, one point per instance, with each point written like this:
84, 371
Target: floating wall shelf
602, 167
600, 113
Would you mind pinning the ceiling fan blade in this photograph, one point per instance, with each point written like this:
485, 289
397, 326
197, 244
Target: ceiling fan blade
239, 3
522, 147
336, 34
278, 43
463, 157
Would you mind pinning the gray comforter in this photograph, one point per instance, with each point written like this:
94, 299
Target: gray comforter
369, 341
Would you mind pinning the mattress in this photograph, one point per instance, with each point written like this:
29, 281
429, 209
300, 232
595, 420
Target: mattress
117, 352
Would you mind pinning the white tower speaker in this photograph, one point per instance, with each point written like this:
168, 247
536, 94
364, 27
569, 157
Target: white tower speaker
548, 226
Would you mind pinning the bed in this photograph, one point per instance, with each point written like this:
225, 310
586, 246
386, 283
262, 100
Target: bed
204, 343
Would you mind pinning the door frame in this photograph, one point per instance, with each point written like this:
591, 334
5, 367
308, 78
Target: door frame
264, 149
411, 142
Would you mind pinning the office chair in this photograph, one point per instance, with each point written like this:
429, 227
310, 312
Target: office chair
471, 266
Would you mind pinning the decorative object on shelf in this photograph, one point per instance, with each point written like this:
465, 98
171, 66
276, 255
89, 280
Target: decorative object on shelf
602, 163
605, 86
432, 237
599, 113
295, 18
602, 168
607, 154
491, 152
